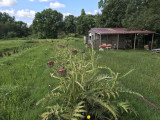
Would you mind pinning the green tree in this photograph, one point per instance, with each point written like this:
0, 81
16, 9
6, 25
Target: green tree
47, 23
113, 12
99, 21
143, 14
11, 28
70, 24
83, 12
4, 18
21, 29
85, 23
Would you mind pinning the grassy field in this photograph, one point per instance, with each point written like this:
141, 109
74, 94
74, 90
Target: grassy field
25, 79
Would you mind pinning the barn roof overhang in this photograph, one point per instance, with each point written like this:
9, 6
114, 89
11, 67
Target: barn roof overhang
105, 31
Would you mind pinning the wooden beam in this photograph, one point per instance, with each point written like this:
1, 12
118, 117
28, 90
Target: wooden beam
152, 41
117, 41
135, 42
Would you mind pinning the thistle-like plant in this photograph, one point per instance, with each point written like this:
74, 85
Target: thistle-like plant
87, 88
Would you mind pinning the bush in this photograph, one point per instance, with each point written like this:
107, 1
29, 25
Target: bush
11, 34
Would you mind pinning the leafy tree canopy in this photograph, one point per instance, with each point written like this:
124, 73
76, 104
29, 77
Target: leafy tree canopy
70, 24
85, 23
47, 23
83, 12
11, 28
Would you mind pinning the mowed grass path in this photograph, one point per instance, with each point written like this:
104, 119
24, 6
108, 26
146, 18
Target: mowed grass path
145, 78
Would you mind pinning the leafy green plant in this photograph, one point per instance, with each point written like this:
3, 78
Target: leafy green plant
87, 88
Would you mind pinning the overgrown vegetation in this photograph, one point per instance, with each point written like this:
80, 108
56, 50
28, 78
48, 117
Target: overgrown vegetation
86, 88
25, 79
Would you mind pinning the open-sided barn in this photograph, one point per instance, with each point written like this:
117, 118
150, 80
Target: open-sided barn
119, 38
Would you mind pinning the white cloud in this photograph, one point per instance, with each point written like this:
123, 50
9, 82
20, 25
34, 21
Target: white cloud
25, 13
94, 13
89, 13
29, 22
31, 0
11, 12
66, 14
21, 15
7, 3
57, 5
97, 11
45, 0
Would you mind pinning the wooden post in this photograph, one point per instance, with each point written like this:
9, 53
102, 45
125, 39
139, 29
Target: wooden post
152, 41
100, 40
143, 40
135, 42
117, 41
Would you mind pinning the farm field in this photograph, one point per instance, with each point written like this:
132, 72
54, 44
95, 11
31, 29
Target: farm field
25, 79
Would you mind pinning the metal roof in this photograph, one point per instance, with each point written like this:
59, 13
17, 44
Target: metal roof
119, 31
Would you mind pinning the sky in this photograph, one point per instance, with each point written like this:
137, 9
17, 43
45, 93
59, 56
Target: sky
25, 10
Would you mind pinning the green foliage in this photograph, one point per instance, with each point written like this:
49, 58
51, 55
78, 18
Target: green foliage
144, 12
70, 24
83, 12
113, 13
86, 83
99, 21
47, 23
85, 23
135, 14
10, 28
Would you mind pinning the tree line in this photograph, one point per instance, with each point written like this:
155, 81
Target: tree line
131, 14
10, 28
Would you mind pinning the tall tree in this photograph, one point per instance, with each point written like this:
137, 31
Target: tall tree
85, 23
83, 12
11, 28
47, 23
99, 21
70, 24
113, 11
21, 29
143, 14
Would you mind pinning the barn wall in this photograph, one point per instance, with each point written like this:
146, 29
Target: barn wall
96, 44
112, 39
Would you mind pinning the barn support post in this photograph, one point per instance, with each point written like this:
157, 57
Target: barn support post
100, 39
117, 41
152, 41
135, 42
143, 40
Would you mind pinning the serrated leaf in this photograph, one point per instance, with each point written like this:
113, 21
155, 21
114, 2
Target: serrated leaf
80, 111
74, 119
78, 115
45, 114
